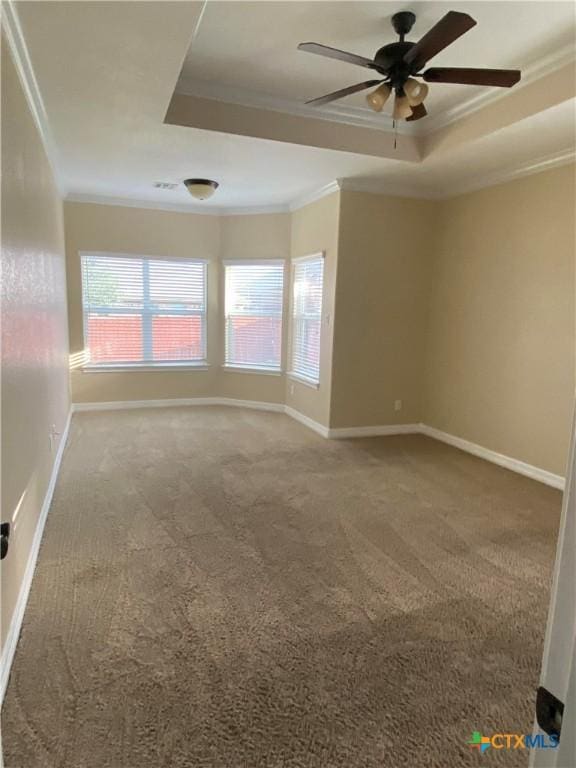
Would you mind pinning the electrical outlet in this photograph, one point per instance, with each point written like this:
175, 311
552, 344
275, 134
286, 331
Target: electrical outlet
292, 388
397, 405
53, 436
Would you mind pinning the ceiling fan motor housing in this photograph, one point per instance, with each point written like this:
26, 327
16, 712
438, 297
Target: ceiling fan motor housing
390, 62
403, 22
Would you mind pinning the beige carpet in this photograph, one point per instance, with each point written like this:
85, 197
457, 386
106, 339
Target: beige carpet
221, 588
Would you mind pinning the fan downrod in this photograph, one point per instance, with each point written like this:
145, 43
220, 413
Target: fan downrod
403, 21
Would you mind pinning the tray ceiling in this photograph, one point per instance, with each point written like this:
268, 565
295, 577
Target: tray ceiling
101, 77
248, 49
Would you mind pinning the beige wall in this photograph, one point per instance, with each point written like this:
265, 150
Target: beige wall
315, 229
265, 236
385, 253
118, 229
462, 309
501, 339
121, 229
34, 333
272, 125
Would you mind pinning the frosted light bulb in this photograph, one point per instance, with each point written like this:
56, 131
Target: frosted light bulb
415, 92
402, 108
379, 97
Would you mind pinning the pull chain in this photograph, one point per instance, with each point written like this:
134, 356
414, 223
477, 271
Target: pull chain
395, 127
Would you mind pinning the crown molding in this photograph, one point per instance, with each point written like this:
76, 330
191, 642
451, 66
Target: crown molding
436, 192
317, 194
372, 186
539, 68
545, 163
21, 58
387, 187
153, 205
335, 113
254, 210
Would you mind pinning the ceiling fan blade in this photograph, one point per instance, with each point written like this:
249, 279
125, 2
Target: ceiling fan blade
336, 53
446, 31
418, 112
505, 78
343, 92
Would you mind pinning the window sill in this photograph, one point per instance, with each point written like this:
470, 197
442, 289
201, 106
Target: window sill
247, 369
144, 367
303, 380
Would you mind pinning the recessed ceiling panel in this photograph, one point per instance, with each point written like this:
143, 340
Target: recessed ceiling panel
252, 46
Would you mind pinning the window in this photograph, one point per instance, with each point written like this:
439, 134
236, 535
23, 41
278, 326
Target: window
308, 275
143, 311
253, 314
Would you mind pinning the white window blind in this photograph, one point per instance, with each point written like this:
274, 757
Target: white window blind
143, 310
307, 280
253, 314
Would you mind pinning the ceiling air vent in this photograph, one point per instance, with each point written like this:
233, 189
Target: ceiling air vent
164, 185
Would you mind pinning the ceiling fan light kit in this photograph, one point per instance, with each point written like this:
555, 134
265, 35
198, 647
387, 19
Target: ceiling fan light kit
399, 64
379, 97
402, 108
201, 189
415, 92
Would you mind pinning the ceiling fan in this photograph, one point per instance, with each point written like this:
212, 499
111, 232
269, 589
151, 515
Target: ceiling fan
399, 64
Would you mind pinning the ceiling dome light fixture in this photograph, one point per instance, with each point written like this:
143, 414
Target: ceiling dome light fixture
415, 92
379, 97
201, 189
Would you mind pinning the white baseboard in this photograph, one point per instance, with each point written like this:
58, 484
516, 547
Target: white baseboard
307, 421
536, 473
17, 617
120, 405
340, 433
253, 404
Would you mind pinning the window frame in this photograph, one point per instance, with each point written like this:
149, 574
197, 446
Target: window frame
251, 368
147, 365
295, 375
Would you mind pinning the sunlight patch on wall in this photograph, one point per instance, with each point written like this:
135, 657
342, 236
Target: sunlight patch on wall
79, 359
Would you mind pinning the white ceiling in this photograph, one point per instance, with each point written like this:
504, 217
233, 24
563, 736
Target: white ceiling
252, 46
543, 137
106, 71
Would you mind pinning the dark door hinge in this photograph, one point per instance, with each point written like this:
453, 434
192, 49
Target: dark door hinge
4, 536
549, 712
